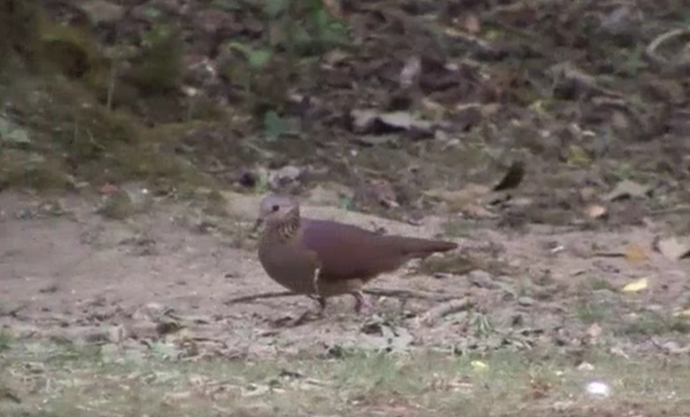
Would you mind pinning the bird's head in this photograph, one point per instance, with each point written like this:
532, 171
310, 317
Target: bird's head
276, 209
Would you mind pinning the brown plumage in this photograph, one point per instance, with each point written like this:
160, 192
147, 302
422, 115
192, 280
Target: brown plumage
322, 258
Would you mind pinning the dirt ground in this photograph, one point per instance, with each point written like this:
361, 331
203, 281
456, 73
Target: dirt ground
161, 283
389, 115
70, 273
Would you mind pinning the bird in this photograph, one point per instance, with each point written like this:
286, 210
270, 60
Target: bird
326, 258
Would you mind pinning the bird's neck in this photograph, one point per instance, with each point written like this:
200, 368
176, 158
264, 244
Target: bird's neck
285, 229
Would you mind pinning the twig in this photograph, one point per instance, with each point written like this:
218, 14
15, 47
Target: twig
397, 293
653, 56
378, 292
442, 310
264, 295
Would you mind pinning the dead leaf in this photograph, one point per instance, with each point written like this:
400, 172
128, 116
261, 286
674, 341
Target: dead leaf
674, 248
472, 24
285, 175
596, 211
117, 334
404, 120
278, 35
620, 121
378, 191
588, 193
512, 178
577, 156
409, 75
334, 57
627, 189
477, 211
370, 121
594, 331
636, 286
335, 8
432, 110
461, 199
635, 253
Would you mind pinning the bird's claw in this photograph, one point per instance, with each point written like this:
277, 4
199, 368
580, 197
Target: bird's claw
362, 303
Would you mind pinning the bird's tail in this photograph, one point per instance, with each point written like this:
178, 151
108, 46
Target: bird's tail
413, 247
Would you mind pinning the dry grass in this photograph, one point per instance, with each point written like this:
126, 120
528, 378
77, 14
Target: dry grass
40, 379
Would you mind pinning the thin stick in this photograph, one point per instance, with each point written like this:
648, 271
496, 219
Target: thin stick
379, 292
265, 295
445, 309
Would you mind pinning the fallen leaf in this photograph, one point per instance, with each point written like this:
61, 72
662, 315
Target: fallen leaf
596, 211
284, 175
577, 156
432, 110
674, 248
472, 24
627, 189
460, 200
479, 365
404, 120
409, 75
620, 121
636, 286
635, 253
477, 211
594, 331
335, 8
512, 178
373, 122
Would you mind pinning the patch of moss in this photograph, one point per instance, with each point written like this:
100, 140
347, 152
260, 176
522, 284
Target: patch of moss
159, 68
87, 131
117, 206
31, 170
19, 31
71, 50
72, 132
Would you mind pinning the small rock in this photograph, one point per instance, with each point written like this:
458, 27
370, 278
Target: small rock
330, 194
585, 366
673, 248
598, 389
101, 11
215, 22
525, 301
150, 312
284, 176
627, 189
116, 334
481, 279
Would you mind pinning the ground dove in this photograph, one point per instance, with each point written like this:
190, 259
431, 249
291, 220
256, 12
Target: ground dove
322, 258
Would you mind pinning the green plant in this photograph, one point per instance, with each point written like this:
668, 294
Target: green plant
6, 339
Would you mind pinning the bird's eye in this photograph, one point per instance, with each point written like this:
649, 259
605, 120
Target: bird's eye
275, 207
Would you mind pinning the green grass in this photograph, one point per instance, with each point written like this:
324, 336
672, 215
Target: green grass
41, 379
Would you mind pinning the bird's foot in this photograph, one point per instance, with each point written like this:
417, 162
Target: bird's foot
320, 300
362, 303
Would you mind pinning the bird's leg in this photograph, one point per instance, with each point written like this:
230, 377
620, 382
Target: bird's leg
317, 293
320, 300
361, 302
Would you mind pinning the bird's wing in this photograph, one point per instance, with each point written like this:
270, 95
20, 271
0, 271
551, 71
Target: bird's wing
346, 251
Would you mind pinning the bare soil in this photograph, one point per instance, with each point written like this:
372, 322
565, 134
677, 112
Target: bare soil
160, 281
156, 305
75, 273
